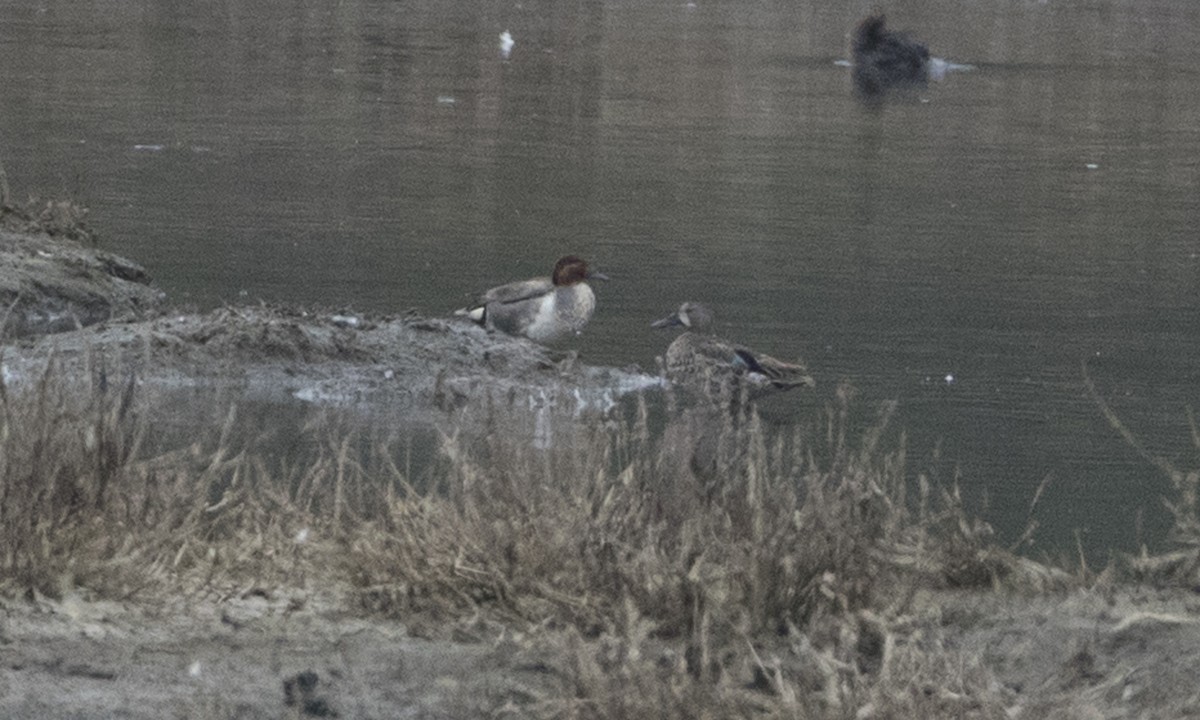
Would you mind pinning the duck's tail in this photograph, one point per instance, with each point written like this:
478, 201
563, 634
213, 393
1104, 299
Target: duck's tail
478, 314
782, 375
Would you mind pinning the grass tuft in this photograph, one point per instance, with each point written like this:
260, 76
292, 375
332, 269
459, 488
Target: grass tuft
56, 218
62, 490
1179, 566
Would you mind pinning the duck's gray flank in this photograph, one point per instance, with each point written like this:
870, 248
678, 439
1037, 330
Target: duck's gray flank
543, 309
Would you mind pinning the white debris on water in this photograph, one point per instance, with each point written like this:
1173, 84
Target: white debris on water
506, 44
604, 396
598, 397
631, 382
939, 67
947, 379
317, 394
603, 402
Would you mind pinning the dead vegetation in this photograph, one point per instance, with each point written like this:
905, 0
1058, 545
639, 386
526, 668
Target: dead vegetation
780, 587
64, 470
776, 579
84, 505
57, 218
1180, 565
611, 516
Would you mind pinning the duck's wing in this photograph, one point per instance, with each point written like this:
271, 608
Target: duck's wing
511, 293
516, 291
780, 374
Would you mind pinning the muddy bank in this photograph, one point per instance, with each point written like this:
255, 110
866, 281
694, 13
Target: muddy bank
410, 366
55, 284
1084, 654
262, 656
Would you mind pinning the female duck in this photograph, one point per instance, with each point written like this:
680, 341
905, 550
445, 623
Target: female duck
543, 309
721, 368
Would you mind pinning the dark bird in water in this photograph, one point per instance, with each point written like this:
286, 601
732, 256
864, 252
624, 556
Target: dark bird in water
721, 369
884, 60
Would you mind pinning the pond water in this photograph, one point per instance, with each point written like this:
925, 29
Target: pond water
963, 252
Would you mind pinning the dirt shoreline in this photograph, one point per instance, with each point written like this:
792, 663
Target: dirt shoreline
1128, 652
311, 650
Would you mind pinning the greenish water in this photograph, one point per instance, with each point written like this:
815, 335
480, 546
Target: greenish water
963, 253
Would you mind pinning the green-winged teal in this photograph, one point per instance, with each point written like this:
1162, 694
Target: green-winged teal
702, 360
543, 309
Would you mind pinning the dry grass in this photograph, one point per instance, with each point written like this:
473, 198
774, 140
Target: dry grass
84, 505
615, 514
752, 572
1181, 564
62, 476
716, 568
57, 218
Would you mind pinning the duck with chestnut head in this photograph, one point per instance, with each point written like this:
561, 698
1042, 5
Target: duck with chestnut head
543, 309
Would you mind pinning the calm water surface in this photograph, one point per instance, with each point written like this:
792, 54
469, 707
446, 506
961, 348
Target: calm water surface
963, 253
